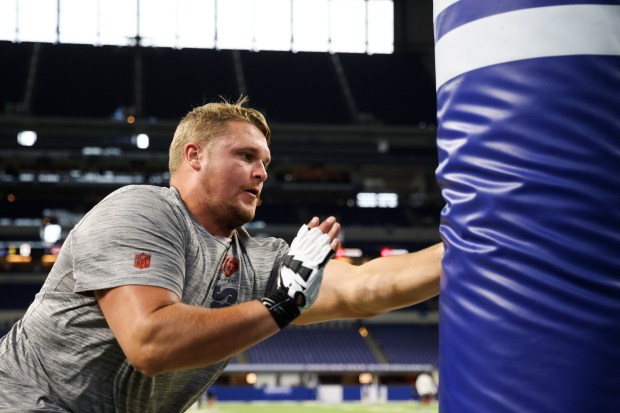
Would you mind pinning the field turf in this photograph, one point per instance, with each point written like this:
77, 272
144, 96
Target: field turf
282, 407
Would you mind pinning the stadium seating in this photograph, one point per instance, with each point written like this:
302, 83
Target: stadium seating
407, 343
307, 77
390, 89
400, 343
5, 327
395, 88
313, 345
171, 76
18, 296
68, 71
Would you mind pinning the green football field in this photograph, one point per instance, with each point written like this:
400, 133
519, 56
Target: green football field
392, 407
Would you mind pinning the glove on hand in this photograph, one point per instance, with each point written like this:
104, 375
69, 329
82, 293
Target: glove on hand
302, 270
300, 276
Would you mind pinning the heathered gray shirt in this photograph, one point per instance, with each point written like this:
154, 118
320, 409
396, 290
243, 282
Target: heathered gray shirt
63, 357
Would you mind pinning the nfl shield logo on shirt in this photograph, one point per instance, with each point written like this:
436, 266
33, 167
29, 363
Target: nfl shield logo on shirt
142, 260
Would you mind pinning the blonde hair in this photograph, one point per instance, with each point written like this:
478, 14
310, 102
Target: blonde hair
205, 122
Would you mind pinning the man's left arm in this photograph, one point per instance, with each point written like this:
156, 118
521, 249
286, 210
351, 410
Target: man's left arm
378, 286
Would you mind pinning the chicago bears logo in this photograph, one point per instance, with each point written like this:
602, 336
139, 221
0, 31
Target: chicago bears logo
230, 265
142, 260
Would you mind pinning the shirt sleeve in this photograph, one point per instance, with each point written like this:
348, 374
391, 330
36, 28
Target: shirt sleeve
133, 237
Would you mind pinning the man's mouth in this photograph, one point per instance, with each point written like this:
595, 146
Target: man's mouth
254, 192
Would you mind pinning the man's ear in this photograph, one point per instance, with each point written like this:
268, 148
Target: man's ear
193, 155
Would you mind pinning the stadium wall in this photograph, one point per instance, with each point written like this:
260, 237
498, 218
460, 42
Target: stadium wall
327, 393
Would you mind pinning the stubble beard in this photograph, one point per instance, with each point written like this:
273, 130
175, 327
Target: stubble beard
230, 214
235, 216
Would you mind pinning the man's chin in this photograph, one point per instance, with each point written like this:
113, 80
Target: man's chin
243, 216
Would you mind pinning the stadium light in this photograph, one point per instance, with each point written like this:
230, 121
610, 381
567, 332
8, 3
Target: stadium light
377, 200
349, 252
251, 378
25, 249
365, 378
388, 251
142, 141
26, 137
48, 259
51, 233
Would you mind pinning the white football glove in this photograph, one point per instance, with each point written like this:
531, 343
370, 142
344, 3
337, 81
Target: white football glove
302, 270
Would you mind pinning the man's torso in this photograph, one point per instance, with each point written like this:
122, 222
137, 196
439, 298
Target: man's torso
63, 353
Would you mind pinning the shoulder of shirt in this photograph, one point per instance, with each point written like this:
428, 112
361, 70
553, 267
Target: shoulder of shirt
143, 190
147, 199
249, 241
151, 195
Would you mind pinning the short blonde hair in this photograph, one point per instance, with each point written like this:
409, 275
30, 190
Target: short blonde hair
205, 122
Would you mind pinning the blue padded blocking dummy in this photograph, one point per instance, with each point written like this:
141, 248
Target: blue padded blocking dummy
529, 165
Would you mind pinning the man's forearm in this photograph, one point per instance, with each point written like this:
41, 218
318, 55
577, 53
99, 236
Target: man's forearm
379, 286
158, 337
188, 337
403, 280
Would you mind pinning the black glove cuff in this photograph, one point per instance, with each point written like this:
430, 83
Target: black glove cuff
281, 307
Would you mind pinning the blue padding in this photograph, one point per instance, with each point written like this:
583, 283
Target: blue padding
351, 393
249, 393
530, 292
466, 11
399, 393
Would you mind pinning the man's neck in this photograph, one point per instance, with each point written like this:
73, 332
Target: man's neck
203, 216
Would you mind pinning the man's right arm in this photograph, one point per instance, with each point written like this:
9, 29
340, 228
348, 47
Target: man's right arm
158, 333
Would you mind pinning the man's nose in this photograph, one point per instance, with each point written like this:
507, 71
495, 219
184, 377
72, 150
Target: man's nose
261, 171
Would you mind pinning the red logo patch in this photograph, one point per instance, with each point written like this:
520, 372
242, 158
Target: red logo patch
230, 265
142, 261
